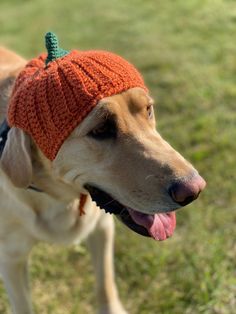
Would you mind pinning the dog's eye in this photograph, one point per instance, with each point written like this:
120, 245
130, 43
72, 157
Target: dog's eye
150, 111
104, 131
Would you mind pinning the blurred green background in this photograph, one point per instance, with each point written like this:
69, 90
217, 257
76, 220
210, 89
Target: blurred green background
187, 54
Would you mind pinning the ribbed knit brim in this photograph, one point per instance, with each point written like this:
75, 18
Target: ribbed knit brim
49, 101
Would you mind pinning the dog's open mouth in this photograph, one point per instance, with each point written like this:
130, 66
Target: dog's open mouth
158, 226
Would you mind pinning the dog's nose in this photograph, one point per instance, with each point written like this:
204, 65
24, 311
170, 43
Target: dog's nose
185, 192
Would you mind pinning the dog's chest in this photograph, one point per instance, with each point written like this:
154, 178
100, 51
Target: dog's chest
64, 223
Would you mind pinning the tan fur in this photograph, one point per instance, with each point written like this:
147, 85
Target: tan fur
136, 169
10, 63
10, 66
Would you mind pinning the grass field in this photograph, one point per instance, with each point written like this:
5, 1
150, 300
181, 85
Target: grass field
187, 53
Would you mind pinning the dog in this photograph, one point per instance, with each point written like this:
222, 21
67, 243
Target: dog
116, 158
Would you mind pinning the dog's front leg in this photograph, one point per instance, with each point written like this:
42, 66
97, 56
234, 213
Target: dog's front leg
100, 243
14, 274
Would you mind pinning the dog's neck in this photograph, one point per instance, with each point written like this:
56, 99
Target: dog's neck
45, 179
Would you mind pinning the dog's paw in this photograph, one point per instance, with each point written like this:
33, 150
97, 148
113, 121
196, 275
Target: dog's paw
114, 308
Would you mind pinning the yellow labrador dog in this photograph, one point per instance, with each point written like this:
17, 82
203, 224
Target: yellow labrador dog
115, 157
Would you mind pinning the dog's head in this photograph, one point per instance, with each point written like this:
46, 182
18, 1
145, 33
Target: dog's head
90, 114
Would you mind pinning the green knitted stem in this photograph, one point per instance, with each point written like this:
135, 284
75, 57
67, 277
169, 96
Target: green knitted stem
54, 51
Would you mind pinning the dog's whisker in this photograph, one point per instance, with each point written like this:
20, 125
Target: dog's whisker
110, 202
149, 176
124, 213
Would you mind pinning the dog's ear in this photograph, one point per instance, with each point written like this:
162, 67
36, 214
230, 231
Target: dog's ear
16, 158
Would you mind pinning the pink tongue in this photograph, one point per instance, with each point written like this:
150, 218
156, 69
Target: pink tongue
159, 226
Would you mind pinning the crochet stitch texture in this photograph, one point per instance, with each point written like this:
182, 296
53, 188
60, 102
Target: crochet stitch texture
53, 94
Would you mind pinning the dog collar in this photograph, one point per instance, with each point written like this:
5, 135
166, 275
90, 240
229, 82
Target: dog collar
4, 129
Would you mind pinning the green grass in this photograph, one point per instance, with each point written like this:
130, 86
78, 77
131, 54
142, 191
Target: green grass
186, 51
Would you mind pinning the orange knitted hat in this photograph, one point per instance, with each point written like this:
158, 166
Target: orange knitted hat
54, 93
